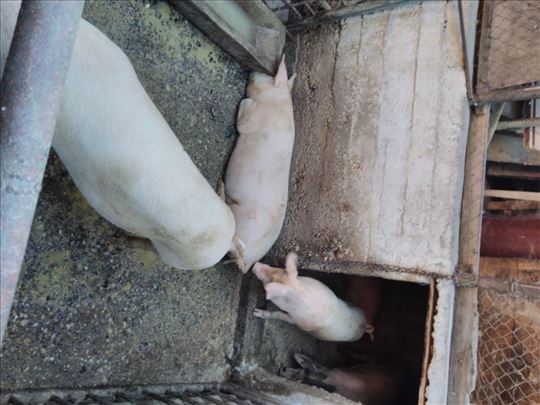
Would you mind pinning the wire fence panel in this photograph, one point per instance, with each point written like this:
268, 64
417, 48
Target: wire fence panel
509, 51
296, 14
508, 369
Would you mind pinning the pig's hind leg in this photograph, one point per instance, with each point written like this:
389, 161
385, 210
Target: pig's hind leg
283, 316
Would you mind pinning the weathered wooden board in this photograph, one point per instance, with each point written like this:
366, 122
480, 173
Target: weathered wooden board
382, 120
465, 320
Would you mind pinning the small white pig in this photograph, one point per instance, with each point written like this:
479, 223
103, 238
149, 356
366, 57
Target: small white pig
377, 380
309, 304
126, 160
257, 175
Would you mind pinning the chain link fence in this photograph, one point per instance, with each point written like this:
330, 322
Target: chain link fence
508, 370
509, 49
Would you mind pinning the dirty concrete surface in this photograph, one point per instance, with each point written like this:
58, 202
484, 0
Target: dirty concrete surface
382, 119
95, 307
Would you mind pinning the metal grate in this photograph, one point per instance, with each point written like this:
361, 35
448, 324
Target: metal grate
225, 394
508, 349
300, 13
509, 49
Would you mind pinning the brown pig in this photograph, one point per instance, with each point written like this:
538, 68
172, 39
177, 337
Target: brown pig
377, 380
364, 293
309, 304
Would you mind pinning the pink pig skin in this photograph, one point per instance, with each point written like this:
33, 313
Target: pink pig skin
309, 304
257, 175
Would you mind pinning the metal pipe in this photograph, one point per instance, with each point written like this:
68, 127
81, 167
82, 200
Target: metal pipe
510, 94
527, 123
32, 86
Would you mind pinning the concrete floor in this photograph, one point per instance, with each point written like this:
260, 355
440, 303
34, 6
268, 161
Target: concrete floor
95, 307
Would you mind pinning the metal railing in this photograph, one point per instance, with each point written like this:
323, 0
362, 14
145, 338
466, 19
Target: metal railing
32, 85
297, 14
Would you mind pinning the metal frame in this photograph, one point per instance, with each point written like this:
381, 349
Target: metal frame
482, 92
32, 85
311, 12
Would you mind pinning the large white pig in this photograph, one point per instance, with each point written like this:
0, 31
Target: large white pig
126, 160
309, 304
257, 175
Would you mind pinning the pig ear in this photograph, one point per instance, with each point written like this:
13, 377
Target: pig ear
280, 80
274, 290
259, 270
291, 264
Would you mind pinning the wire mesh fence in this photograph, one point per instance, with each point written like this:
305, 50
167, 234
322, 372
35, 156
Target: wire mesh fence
508, 370
301, 13
509, 49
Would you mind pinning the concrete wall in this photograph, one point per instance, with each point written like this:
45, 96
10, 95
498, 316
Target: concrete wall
382, 119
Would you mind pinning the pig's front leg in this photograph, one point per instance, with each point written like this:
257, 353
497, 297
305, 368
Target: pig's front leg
261, 313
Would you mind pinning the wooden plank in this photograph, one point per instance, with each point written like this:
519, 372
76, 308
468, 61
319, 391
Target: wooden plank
513, 124
473, 192
514, 171
513, 205
510, 94
428, 343
523, 270
465, 322
246, 29
514, 195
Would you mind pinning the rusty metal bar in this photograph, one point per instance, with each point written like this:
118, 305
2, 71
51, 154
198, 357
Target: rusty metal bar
32, 86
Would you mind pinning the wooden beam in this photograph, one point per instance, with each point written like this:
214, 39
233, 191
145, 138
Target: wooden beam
531, 122
513, 171
513, 205
513, 195
428, 343
246, 29
465, 323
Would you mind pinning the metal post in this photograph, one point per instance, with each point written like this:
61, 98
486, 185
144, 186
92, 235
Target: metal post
31, 88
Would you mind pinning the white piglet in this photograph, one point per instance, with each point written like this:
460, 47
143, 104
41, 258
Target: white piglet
126, 160
309, 304
257, 176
